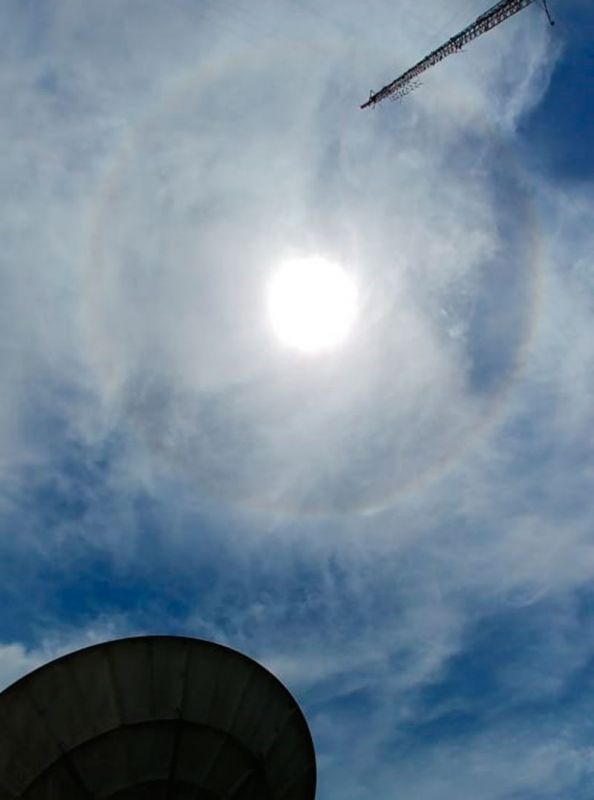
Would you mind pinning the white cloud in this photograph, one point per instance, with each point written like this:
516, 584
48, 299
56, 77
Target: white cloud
17, 660
158, 164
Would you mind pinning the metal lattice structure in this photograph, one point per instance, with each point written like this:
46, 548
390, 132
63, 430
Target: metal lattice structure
408, 81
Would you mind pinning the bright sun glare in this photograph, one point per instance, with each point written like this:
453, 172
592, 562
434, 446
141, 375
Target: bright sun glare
312, 303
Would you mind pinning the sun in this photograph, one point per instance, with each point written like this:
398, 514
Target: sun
312, 304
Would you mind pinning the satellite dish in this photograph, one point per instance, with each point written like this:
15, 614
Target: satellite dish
154, 718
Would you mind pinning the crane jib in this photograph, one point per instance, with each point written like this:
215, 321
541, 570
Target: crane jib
490, 19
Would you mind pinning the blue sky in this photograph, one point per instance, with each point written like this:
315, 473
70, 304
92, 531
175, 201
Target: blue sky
400, 528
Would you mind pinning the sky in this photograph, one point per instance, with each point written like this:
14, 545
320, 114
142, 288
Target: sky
401, 527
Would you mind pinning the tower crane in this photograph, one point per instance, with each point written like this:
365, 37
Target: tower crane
408, 81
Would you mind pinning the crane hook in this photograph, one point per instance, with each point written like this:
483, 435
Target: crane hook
547, 12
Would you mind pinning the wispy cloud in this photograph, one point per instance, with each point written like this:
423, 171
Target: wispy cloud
401, 530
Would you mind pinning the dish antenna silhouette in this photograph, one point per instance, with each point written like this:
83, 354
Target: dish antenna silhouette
154, 718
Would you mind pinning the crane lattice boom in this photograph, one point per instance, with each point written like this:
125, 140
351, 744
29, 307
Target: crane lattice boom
490, 19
